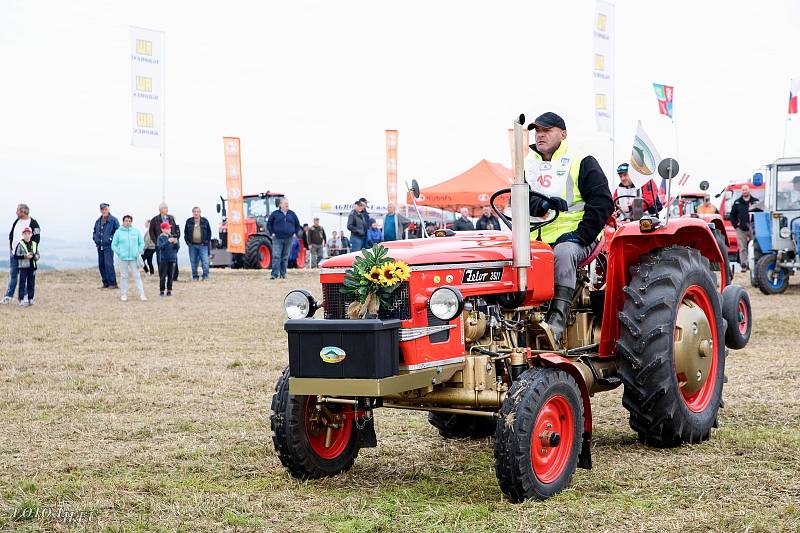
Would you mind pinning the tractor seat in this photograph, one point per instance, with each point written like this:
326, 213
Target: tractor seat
596, 249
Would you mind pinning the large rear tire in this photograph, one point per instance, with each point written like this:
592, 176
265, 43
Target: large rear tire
452, 426
769, 280
671, 347
539, 435
300, 434
257, 253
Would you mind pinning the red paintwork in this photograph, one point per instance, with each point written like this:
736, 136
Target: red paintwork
340, 436
625, 248
555, 416
698, 401
568, 366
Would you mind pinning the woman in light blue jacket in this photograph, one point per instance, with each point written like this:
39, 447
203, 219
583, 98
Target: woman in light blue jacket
128, 245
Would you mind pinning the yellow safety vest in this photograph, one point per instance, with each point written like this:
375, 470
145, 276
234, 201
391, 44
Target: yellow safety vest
560, 179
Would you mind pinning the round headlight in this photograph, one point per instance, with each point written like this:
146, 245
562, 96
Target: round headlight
784, 233
299, 304
446, 303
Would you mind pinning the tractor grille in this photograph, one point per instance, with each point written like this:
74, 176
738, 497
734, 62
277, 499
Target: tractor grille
336, 303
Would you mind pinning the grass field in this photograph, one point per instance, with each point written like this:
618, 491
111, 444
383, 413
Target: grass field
155, 416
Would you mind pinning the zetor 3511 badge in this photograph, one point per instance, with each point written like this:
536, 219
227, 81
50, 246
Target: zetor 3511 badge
480, 275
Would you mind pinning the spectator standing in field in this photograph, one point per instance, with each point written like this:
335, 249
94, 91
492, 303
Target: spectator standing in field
155, 232
22, 221
282, 225
463, 223
27, 253
334, 244
357, 227
394, 224
197, 234
344, 243
167, 246
316, 242
374, 233
740, 219
104, 229
149, 249
365, 213
128, 245
487, 220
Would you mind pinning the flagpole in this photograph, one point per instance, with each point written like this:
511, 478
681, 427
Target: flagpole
785, 132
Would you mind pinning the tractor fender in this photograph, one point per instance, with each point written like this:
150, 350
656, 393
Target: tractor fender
562, 363
625, 250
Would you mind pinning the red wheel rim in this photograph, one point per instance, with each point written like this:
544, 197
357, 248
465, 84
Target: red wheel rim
555, 422
741, 316
318, 422
263, 256
698, 401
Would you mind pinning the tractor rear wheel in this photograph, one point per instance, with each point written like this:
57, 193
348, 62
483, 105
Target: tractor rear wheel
737, 312
671, 347
452, 426
769, 278
312, 441
257, 253
539, 435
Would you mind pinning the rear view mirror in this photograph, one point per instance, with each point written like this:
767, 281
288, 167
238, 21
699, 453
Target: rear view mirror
704, 185
758, 179
219, 208
415, 189
668, 168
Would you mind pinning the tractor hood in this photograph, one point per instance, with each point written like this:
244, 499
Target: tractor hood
463, 247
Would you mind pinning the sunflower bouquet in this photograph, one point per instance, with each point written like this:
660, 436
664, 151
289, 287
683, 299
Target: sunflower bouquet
371, 281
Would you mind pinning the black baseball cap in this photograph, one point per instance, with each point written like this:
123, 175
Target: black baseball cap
623, 168
548, 120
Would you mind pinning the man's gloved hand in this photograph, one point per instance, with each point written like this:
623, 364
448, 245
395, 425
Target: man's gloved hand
554, 202
570, 236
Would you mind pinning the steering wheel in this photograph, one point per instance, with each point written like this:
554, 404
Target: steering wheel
507, 220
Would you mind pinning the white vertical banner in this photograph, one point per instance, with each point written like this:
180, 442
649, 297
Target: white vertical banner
603, 67
147, 87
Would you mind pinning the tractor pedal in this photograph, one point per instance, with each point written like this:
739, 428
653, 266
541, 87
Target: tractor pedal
611, 381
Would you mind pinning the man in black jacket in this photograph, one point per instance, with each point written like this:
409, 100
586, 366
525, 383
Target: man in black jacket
487, 220
155, 229
577, 188
740, 219
357, 227
463, 223
197, 234
22, 221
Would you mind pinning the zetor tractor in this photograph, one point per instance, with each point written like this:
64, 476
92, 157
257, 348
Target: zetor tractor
258, 243
465, 339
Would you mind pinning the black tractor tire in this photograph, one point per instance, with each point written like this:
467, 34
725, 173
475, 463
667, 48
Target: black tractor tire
258, 252
659, 411
528, 462
737, 312
763, 267
723, 248
452, 426
303, 454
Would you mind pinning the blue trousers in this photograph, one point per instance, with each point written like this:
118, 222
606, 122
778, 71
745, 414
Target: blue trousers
27, 284
13, 272
105, 262
357, 243
198, 254
280, 256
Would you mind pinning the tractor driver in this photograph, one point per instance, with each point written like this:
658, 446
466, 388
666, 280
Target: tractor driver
578, 188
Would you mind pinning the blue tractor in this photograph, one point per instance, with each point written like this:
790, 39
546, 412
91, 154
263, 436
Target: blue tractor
776, 230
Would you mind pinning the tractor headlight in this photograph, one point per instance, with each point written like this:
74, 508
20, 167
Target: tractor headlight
300, 304
446, 303
784, 233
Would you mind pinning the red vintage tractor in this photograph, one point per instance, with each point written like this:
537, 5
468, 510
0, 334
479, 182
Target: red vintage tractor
257, 208
464, 338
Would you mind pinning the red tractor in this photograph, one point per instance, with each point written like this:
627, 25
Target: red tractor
464, 338
257, 208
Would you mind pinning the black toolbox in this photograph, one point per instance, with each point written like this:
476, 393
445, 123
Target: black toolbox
368, 348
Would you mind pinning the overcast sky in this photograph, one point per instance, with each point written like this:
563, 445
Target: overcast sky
310, 88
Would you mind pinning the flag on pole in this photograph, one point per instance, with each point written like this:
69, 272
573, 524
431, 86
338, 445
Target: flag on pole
644, 158
794, 88
233, 181
147, 87
603, 66
391, 166
664, 97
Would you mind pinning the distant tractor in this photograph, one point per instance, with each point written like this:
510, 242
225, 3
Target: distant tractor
773, 258
257, 208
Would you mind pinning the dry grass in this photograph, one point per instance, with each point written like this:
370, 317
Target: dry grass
154, 416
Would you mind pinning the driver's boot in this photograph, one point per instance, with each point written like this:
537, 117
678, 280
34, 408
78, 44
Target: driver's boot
559, 311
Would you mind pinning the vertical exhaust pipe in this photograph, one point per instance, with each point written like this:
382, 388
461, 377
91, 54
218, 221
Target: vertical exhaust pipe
520, 210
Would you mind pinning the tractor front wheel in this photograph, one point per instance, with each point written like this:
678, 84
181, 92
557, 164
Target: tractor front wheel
671, 347
257, 253
452, 426
539, 435
737, 311
770, 278
311, 440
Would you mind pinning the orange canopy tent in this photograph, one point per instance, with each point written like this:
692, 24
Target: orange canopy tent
470, 189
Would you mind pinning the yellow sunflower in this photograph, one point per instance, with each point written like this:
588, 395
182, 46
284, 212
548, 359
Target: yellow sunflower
389, 274
374, 275
402, 270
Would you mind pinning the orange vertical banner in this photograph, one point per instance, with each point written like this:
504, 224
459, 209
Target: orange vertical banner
391, 166
525, 150
233, 181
